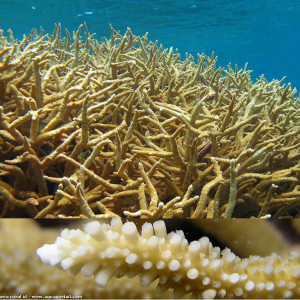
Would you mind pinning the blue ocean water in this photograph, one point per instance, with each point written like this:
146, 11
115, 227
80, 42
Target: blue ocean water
264, 33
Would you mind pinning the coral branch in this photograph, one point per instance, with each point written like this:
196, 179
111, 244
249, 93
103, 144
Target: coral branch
198, 268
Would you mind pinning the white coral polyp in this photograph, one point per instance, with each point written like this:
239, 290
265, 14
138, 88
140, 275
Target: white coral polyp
197, 268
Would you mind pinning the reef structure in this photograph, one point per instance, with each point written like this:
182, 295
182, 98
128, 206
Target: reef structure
124, 127
195, 269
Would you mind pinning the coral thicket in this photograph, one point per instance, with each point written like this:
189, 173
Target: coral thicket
124, 127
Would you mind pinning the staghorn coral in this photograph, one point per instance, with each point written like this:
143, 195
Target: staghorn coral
123, 126
21, 271
197, 269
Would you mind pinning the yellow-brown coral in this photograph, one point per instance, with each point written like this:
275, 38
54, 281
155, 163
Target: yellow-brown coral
125, 127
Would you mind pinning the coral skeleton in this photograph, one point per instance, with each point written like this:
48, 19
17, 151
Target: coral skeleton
196, 269
124, 127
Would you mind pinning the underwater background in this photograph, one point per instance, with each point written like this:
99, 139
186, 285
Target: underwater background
264, 33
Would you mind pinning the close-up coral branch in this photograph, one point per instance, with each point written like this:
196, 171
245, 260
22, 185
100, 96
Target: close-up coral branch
22, 273
123, 127
197, 269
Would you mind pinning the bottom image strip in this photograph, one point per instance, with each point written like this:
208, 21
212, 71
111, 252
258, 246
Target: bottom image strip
210, 259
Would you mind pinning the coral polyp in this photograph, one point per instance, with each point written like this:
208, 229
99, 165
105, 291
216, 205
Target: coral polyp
124, 127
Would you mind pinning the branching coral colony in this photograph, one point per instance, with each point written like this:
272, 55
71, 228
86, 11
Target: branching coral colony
197, 269
125, 127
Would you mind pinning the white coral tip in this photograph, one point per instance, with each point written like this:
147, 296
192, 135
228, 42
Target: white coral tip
160, 228
209, 294
49, 254
92, 227
103, 276
130, 231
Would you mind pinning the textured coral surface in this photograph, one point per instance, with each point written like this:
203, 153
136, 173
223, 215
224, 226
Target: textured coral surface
21, 272
196, 269
123, 126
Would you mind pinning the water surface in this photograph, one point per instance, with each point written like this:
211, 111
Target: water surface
264, 33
